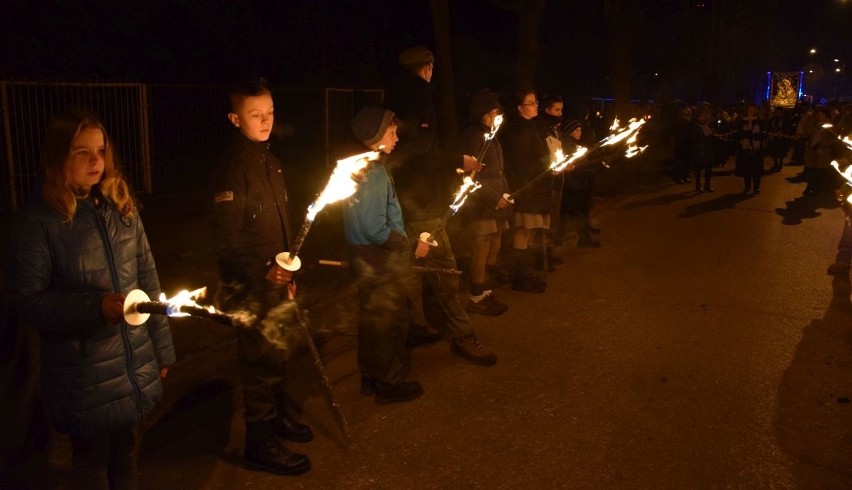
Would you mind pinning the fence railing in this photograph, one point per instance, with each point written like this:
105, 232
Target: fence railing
166, 136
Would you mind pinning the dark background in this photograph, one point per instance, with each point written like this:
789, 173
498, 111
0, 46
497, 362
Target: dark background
718, 50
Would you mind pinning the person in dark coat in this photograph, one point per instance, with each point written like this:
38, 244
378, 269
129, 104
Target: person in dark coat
779, 138
527, 156
552, 119
681, 130
426, 179
750, 153
77, 249
251, 226
701, 154
487, 210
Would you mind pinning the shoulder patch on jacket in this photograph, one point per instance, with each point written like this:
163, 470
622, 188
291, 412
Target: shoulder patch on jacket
223, 196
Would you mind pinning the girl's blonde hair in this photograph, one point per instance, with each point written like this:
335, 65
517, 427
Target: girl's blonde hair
55, 156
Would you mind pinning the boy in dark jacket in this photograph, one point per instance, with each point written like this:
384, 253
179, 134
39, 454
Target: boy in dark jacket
251, 227
487, 211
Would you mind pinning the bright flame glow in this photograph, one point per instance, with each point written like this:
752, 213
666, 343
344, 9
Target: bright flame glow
847, 174
467, 188
615, 124
341, 184
624, 133
185, 298
495, 126
560, 161
847, 142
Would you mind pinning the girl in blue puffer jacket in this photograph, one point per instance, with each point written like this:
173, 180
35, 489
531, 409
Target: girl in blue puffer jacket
77, 249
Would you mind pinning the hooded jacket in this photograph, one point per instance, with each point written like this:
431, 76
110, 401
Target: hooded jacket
94, 376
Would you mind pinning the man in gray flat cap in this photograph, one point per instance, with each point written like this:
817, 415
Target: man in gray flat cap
426, 179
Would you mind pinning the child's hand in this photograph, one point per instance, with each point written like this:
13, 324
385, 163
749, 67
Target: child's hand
470, 164
278, 275
422, 250
112, 308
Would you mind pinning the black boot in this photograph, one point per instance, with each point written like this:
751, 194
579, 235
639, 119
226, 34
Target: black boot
291, 429
390, 393
421, 334
265, 452
525, 279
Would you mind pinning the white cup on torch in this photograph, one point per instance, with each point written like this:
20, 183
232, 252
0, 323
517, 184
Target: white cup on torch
285, 262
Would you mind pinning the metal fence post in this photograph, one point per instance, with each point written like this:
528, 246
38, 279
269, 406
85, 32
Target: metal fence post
144, 135
7, 130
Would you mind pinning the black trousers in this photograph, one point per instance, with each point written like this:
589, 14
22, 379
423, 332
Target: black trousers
750, 181
262, 363
707, 170
107, 460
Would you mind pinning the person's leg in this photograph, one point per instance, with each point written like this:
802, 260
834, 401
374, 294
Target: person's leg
89, 462
523, 258
480, 254
262, 376
708, 173
697, 171
123, 456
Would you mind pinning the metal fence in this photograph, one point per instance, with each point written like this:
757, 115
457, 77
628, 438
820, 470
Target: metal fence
167, 136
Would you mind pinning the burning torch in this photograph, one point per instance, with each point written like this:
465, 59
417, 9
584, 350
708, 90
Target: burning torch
468, 187
138, 307
341, 185
560, 162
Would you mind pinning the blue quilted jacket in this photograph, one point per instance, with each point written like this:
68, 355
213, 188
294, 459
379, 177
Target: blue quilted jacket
94, 376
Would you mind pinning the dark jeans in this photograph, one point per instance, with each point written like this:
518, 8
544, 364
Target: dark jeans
444, 286
106, 460
707, 170
262, 363
383, 315
749, 181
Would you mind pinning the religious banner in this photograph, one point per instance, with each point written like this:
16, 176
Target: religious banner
784, 88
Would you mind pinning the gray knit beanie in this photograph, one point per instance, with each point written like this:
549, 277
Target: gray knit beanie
370, 124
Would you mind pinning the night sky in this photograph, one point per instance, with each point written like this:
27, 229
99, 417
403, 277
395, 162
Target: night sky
715, 49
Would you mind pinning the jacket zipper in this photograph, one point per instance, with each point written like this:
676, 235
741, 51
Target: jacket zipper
125, 336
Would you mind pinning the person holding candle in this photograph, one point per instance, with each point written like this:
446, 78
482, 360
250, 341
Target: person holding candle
427, 177
251, 226
76, 249
380, 257
487, 211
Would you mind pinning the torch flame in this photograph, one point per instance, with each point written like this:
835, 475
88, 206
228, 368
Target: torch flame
560, 161
624, 133
495, 126
467, 188
847, 142
185, 298
847, 174
341, 184
615, 124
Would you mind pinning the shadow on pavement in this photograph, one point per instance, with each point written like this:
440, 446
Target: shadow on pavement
661, 200
805, 207
818, 382
725, 201
188, 441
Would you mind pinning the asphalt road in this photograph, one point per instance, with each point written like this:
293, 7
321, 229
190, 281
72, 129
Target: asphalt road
702, 346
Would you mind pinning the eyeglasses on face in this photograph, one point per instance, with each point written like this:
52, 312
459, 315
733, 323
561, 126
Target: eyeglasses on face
535, 102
